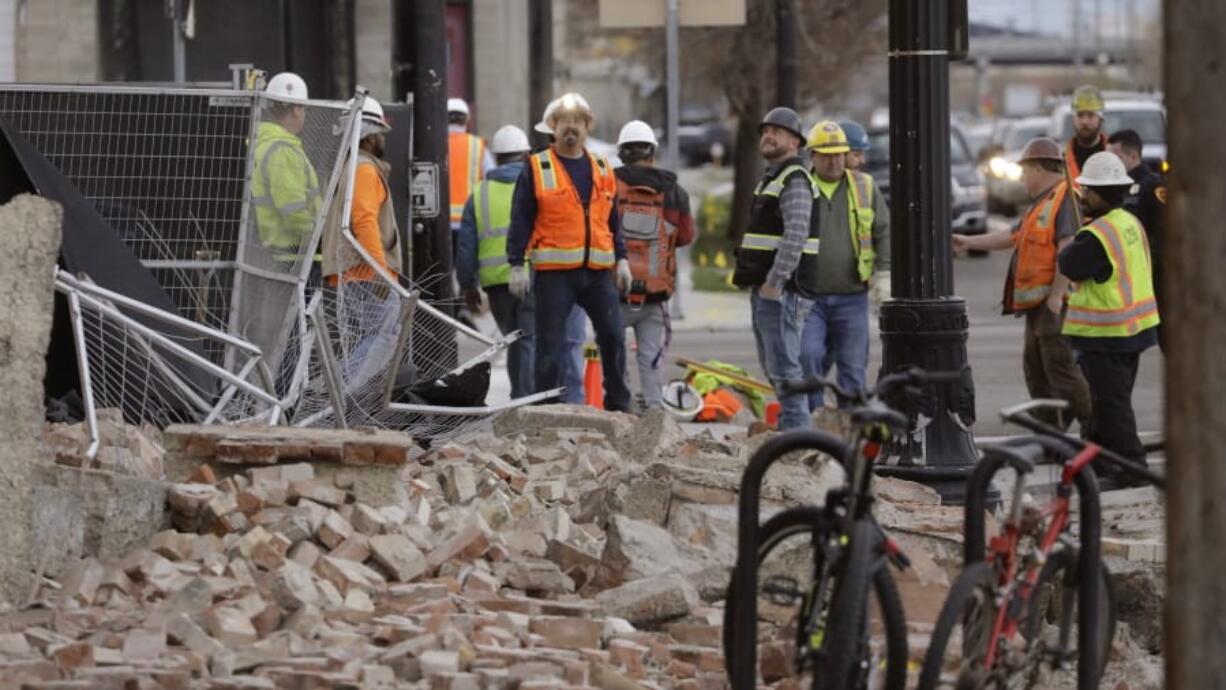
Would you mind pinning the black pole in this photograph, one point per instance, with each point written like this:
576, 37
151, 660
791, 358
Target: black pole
785, 53
540, 58
925, 325
287, 36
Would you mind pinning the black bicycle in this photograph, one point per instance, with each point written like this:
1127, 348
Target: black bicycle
818, 573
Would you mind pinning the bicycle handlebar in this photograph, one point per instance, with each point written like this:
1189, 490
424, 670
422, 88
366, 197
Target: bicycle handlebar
910, 377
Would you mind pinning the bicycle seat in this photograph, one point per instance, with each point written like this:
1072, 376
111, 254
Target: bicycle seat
866, 416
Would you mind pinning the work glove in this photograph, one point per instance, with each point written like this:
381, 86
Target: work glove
879, 287
519, 281
624, 276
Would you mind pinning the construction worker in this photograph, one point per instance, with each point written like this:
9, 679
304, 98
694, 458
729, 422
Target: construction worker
284, 185
467, 158
481, 255
1112, 314
1146, 200
777, 260
1034, 288
853, 224
857, 142
371, 218
572, 364
655, 219
1088, 137
564, 211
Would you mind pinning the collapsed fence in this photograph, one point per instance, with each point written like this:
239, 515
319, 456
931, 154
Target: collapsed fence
220, 198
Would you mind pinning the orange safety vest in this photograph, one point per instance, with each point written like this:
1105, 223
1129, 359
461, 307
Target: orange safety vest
568, 233
1035, 245
1070, 158
465, 162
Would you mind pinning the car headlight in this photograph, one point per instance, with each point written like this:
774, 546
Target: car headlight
997, 166
1013, 171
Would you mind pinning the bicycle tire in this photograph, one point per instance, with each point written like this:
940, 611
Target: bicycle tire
1060, 570
788, 523
970, 592
848, 608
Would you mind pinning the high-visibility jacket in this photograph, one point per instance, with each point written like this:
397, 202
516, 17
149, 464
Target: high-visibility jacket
760, 243
860, 217
1070, 156
1035, 246
465, 160
284, 191
492, 212
568, 233
1124, 305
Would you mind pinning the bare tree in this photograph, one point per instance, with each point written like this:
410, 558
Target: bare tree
834, 38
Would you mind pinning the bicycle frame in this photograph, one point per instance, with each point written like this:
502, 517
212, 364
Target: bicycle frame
1003, 548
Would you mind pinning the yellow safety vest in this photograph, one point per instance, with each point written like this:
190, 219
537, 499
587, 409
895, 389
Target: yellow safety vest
284, 191
1124, 305
492, 210
860, 216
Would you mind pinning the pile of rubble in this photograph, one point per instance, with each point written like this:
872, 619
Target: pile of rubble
565, 548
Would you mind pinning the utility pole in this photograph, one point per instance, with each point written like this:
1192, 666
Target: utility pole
924, 324
672, 69
1076, 29
785, 53
1194, 624
540, 58
179, 45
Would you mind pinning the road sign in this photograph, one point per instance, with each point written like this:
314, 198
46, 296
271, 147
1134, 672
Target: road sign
631, 14
423, 190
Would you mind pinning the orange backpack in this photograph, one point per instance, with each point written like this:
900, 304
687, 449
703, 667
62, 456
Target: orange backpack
650, 242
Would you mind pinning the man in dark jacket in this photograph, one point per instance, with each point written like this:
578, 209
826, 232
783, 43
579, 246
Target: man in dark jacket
655, 220
1146, 200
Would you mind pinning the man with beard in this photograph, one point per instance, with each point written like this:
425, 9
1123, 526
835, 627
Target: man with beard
1088, 137
563, 212
777, 260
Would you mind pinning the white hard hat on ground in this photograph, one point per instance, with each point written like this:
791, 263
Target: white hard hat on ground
287, 85
510, 139
681, 400
457, 105
1104, 169
637, 132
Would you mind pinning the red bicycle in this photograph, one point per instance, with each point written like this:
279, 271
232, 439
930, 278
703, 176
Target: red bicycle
1023, 592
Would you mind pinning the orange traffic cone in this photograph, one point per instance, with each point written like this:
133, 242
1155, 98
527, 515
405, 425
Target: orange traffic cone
593, 381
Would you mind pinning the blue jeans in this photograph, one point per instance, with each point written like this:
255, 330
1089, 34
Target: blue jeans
836, 333
776, 328
572, 363
514, 314
557, 292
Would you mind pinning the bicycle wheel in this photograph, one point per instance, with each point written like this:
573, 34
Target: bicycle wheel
956, 654
789, 555
1051, 620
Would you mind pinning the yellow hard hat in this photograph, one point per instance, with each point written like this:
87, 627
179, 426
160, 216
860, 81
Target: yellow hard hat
828, 137
1087, 98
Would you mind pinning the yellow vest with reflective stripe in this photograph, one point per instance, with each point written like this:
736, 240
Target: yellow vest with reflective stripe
1124, 305
284, 190
860, 216
492, 210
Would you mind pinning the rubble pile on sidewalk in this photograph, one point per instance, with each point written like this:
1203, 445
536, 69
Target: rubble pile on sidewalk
567, 548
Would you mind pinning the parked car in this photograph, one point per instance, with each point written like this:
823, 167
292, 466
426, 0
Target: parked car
700, 134
1138, 112
968, 201
1006, 194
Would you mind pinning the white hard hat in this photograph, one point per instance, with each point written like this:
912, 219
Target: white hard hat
570, 102
543, 126
457, 105
637, 132
1104, 169
681, 400
287, 85
510, 139
372, 113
